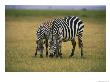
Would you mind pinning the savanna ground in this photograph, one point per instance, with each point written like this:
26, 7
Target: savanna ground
20, 29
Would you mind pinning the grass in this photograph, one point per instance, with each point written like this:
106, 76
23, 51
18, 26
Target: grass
20, 43
51, 13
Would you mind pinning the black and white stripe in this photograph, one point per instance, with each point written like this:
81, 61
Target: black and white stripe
66, 29
42, 35
75, 27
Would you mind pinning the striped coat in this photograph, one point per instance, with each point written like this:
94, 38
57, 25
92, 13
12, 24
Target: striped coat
66, 29
42, 35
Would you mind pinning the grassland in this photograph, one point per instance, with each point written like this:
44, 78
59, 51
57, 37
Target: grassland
20, 28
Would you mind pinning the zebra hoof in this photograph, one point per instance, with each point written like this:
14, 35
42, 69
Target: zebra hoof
41, 56
70, 56
60, 54
51, 56
56, 56
35, 54
61, 57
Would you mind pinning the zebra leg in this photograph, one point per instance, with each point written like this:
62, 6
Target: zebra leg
58, 50
51, 55
60, 53
80, 44
46, 44
36, 49
56, 53
36, 52
41, 55
73, 49
81, 50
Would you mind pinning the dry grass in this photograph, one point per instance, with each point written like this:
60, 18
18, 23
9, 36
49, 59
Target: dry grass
20, 48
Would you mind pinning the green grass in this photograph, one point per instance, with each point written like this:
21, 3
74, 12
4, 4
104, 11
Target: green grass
20, 43
79, 13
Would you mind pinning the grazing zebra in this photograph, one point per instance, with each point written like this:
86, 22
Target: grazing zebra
42, 37
65, 29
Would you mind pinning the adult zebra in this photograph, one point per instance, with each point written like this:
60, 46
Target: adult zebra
65, 29
42, 37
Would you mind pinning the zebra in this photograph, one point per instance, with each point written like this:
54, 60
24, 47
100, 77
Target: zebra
42, 35
63, 30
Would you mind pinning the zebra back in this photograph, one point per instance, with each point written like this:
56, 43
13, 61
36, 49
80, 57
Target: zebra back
76, 23
67, 28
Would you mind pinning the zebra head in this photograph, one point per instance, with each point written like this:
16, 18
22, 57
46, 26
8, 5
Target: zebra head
54, 43
53, 47
40, 39
55, 37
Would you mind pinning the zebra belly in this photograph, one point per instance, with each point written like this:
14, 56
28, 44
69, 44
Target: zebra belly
65, 39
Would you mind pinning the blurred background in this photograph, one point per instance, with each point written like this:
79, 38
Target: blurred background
54, 10
56, 7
